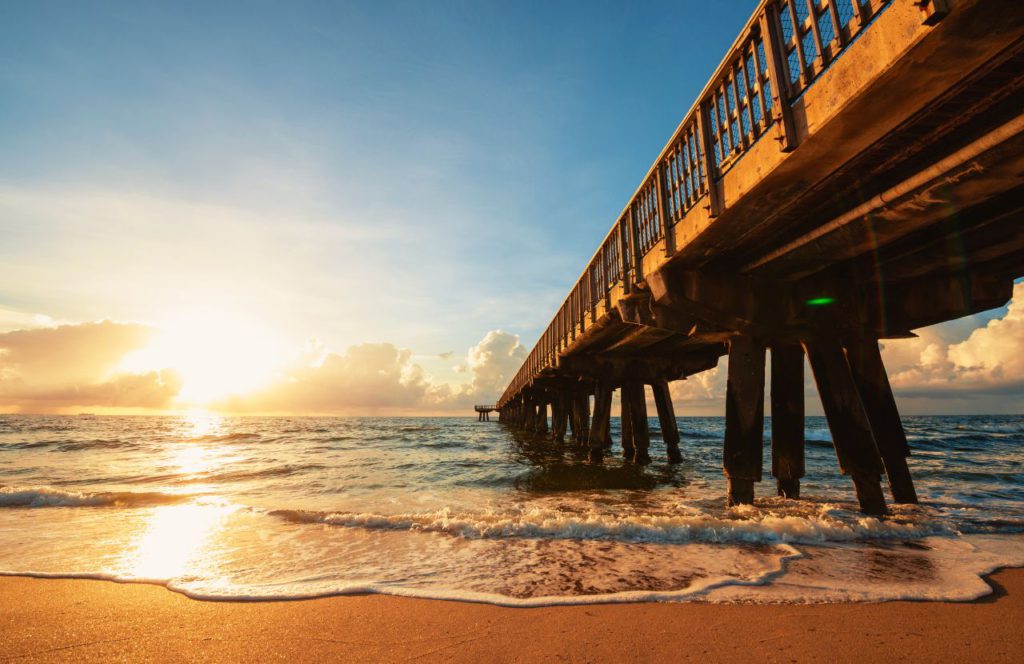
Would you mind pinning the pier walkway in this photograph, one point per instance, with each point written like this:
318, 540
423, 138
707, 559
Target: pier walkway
853, 170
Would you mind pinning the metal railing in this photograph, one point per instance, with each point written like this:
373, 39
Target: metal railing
784, 47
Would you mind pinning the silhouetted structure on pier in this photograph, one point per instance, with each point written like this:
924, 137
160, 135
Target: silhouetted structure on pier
484, 412
852, 171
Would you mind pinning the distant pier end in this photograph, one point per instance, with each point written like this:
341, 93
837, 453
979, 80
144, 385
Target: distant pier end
484, 413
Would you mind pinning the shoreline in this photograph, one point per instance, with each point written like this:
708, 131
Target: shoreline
47, 619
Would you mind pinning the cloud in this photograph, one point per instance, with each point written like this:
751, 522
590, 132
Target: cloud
366, 379
383, 379
494, 361
988, 361
74, 365
13, 319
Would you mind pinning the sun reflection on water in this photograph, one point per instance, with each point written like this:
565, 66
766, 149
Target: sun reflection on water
199, 423
177, 541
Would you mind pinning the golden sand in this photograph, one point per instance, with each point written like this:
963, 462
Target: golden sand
93, 621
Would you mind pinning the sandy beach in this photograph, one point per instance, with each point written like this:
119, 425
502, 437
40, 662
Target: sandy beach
92, 621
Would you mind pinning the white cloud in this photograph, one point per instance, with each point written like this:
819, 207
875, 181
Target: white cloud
74, 365
989, 360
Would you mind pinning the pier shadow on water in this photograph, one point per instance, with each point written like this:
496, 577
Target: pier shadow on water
563, 467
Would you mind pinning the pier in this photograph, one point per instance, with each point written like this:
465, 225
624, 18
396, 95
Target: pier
484, 413
852, 171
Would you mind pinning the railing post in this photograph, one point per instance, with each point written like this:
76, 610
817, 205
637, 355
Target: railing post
710, 170
593, 293
666, 225
772, 40
624, 254
634, 247
606, 276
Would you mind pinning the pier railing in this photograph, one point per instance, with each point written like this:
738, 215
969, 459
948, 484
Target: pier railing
781, 51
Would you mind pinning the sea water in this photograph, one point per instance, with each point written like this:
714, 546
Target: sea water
261, 508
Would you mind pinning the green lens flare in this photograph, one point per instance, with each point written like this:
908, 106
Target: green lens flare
820, 301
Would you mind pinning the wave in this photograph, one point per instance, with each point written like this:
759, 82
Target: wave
223, 438
51, 497
964, 567
749, 525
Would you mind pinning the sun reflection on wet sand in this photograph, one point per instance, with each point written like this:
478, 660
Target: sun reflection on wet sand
177, 541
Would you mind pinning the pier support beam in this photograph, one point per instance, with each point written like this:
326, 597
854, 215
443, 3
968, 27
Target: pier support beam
633, 393
602, 420
667, 420
559, 416
873, 384
580, 416
542, 417
744, 418
788, 418
852, 437
626, 423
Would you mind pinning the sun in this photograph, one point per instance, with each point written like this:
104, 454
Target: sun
217, 355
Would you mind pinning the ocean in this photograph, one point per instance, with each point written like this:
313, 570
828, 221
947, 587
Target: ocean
250, 508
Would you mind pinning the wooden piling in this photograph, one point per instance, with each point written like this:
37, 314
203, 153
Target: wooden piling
787, 418
560, 416
601, 421
852, 436
633, 391
542, 416
744, 418
873, 384
581, 416
626, 423
667, 420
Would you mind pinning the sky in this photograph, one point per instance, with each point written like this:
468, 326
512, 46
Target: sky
340, 207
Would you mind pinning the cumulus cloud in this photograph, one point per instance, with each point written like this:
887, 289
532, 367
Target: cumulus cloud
988, 361
383, 379
366, 379
494, 361
74, 365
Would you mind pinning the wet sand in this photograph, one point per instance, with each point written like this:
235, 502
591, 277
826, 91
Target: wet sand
92, 621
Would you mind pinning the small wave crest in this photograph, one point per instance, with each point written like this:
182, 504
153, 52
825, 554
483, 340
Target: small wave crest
51, 497
748, 525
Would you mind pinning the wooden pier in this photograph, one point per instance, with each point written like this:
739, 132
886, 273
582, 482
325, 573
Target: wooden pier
484, 412
853, 170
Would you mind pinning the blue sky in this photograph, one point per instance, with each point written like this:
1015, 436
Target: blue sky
412, 173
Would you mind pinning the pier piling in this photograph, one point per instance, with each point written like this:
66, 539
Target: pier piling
787, 390
852, 437
742, 456
667, 420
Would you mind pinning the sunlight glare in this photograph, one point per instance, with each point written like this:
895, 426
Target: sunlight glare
215, 354
175, 540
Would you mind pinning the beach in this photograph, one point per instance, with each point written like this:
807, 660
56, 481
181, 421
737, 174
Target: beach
93, 621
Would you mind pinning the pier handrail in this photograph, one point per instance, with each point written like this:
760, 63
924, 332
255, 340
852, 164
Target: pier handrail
783, 48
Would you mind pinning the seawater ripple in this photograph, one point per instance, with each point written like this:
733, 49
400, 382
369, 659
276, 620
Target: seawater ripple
259, 508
